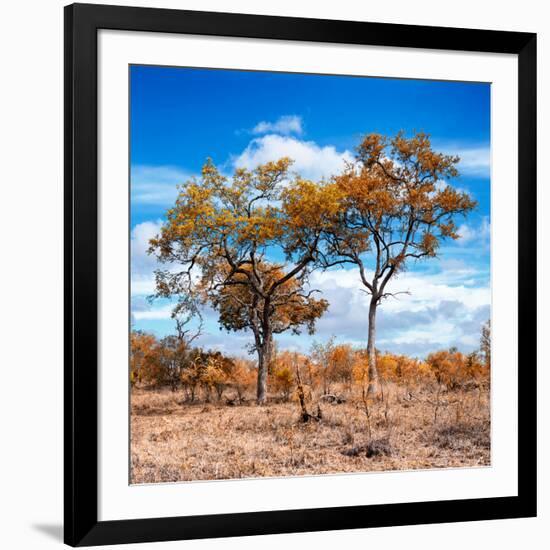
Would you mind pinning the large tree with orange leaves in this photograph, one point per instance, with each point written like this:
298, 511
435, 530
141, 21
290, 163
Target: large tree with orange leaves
273, 310
396, 207
220, 233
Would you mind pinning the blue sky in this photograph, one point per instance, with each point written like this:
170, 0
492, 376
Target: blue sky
181, 116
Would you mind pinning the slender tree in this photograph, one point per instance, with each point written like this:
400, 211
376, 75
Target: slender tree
485, 344
216, 241
396, 207
173, 356
322, 355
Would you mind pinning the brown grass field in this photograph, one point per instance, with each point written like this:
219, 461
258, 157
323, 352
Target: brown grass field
173, 440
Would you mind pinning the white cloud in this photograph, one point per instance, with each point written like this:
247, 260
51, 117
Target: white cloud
310, 160
156, 185
143, 263
143, 285
153, 314
474, 161
425, 290
440, 185
440, 311
287, 124
469, 233
443, 309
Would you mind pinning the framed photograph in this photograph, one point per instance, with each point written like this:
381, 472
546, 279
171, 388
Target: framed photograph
300, 267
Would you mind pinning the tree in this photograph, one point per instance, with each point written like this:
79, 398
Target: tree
142, 357
241, 377
283, 374
485, 344
219, 233
193, 374
322, 356
173, 352
266, 313
395, 207
450, 367
217, 372
403, 369
172, 357
387, 366
343, 360
475, 370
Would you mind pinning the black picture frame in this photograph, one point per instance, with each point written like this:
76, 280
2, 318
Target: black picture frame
82, 22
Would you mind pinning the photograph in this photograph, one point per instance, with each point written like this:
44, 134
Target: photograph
287, 259
310, 274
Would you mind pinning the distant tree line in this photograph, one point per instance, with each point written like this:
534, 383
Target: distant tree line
329, 368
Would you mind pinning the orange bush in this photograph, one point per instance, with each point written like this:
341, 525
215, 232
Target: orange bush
144, 365
453, 368
170, 362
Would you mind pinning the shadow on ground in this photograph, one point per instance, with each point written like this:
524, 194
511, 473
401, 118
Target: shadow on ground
52, 530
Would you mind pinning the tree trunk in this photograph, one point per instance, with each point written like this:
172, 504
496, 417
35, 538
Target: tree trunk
374, 383
264, 360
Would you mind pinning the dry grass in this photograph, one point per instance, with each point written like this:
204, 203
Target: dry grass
175, 441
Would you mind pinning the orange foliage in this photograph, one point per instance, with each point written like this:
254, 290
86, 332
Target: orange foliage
342, 361
242, 377
452, 368
219, 231
143, 363
403, 369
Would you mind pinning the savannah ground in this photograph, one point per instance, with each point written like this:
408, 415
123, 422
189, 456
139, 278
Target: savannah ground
174, 440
